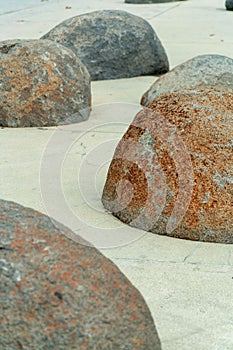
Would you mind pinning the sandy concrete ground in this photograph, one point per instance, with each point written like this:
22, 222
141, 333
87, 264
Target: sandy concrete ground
61, 171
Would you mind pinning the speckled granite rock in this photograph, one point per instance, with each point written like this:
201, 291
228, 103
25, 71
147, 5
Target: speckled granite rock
42, 83
211, 70
58, 294
229, 5
172, 172
112, 44
148, 1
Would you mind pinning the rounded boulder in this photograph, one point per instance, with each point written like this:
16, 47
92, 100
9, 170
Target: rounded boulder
42, 83
112, 44
229, 5
209, 70
172, 172
59, 292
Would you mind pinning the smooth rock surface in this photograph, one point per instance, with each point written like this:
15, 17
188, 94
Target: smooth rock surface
211, 70
112, 44
60, 294
42, 83
229, 5
172, 172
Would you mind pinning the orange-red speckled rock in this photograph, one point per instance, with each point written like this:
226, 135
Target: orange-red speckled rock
59, 294
175, 165
42, 83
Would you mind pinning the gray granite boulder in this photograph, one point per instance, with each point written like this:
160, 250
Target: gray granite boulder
112, 44
60, 294
229, 5
211, 70
42, 83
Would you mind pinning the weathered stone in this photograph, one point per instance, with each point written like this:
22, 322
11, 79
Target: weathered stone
149, 1
172, 172
112, 44
229, 5
42, 83
60, 294
211, 70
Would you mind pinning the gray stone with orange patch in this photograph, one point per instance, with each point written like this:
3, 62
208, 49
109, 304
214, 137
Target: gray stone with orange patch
57, 293
42, 83
209, 70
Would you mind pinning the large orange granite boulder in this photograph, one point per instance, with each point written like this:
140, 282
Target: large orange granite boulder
172, 172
